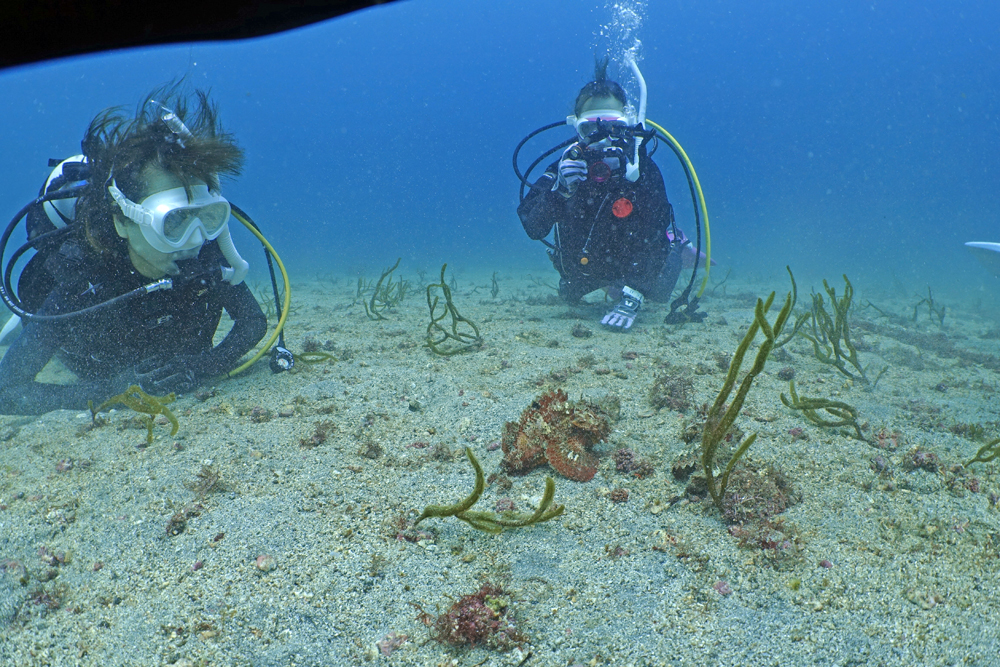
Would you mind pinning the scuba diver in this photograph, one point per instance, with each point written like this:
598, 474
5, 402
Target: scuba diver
134, 263
605, 199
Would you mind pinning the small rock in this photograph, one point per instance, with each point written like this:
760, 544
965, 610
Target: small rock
287, 411
266, 563
619, 495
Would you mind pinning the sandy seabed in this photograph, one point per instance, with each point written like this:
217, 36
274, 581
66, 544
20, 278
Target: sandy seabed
893, 556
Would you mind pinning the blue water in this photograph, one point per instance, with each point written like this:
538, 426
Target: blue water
838, 137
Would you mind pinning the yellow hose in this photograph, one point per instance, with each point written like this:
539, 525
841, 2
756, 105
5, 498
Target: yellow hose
284, 307
701, 203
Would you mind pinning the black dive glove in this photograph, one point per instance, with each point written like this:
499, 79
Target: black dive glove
177, 373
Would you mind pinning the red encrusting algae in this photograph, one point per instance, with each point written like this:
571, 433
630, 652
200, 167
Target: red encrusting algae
484, 618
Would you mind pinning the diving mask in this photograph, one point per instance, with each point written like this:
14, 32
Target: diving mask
171, 222
590, 123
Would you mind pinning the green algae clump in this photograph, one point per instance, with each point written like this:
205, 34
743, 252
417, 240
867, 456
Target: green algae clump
139, 401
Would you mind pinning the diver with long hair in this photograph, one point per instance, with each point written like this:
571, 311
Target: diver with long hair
605, 199
146, 217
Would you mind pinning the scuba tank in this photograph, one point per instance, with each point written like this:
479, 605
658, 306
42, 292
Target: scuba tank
60, 211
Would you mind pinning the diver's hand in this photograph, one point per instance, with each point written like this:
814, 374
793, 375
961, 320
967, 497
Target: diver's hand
571, 172
163, 375
625, 312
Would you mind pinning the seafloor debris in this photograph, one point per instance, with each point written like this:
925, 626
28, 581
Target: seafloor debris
558, 431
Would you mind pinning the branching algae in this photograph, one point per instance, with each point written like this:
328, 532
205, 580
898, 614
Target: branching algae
986, 453
490, 522
799, 321
831, 338
438, 336
387, 296
720, 417
139, 401
845, 414
935, 311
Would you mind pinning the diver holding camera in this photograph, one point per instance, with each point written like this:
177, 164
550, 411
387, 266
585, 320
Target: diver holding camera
606, 202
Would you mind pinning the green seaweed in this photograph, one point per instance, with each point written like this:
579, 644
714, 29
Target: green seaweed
438, 336
721, 283
799, 321
314, 357
892, 317
845, 415
139, 401
720, 416
831, 337
991, 448
266, 302
975, 432
491, 522
934, 312
362, 289
386, 294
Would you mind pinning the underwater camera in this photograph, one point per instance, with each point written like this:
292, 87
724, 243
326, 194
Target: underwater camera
609, 150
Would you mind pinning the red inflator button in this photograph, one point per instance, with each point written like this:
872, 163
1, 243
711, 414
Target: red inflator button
622, 208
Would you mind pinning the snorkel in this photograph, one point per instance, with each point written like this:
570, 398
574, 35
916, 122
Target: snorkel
632, 168
235, 275
634, 66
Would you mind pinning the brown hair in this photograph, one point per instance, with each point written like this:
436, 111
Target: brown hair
121, 147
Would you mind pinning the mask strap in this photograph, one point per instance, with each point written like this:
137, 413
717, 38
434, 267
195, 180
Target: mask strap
134, 212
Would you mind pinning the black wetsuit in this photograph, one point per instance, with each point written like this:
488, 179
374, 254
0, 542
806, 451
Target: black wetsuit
108, 350
629, 250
